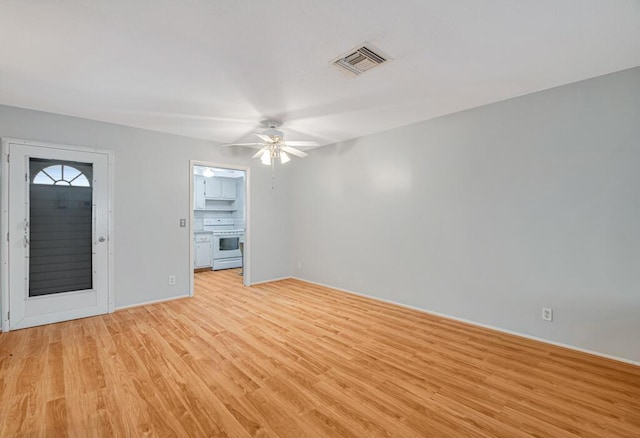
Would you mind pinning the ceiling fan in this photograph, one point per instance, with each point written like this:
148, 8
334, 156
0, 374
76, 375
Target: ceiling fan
274, 146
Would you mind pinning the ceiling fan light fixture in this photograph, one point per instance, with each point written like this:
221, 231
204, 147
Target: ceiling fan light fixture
265, 158
273, 148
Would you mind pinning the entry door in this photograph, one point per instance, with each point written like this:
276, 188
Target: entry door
58, 222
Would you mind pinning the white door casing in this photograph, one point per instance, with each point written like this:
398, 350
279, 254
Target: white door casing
193, 189
26, 311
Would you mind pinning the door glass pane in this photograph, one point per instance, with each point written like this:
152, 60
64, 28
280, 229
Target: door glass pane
54, 172
70, 173
60, 226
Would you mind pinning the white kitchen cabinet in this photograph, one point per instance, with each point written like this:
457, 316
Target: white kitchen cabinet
198, 192
228, 189
203, 251
213, 188
220, 188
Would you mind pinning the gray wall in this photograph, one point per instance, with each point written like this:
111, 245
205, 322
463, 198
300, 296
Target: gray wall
490, 214
485, 215
152, 193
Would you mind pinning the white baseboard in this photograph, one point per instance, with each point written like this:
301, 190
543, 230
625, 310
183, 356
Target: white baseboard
478, 324
146, 303
256, 283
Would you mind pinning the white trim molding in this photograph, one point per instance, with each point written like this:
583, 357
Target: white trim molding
257, 283
246, 257
148, 303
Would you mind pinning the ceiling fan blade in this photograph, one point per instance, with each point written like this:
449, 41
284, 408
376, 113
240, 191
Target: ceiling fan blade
302, 143
293, 151
265, 138
249, 145
257, 154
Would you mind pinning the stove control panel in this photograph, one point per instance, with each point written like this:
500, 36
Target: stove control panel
212, 222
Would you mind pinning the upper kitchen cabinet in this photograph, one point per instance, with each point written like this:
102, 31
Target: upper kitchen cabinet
228, 189
198, 192
214, 193
213, 188
220, 188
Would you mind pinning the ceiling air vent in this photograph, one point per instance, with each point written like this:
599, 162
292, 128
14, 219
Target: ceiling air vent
360, 60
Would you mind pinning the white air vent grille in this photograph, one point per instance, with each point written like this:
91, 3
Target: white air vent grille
359, 60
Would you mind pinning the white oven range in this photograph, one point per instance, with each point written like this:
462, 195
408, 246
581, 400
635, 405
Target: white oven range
226, 243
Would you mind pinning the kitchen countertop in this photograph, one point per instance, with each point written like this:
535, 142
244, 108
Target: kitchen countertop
203, 232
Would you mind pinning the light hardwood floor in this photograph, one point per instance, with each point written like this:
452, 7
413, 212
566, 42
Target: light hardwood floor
293, 359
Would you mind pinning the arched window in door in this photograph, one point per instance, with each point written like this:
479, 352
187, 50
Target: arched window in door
61, 175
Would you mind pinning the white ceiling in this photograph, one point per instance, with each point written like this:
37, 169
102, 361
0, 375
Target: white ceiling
213, 69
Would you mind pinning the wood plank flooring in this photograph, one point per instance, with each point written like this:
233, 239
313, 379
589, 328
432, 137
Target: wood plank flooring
290, 359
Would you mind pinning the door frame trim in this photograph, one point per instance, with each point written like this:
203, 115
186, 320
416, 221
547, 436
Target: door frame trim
4, 222
246, 268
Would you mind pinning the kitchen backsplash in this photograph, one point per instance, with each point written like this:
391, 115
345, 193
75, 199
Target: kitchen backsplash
199, 215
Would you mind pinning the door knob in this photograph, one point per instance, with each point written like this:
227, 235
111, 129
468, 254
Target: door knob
101, 239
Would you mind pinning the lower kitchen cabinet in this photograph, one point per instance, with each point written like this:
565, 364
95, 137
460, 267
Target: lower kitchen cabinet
203, 251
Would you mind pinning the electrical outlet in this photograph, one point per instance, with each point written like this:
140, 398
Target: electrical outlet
547, 314
172, 280
183, 223
299, 264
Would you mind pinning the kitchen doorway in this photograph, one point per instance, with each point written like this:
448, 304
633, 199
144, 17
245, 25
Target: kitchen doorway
219, 230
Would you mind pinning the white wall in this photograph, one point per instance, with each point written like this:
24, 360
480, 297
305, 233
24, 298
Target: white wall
491, 214
152, 193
